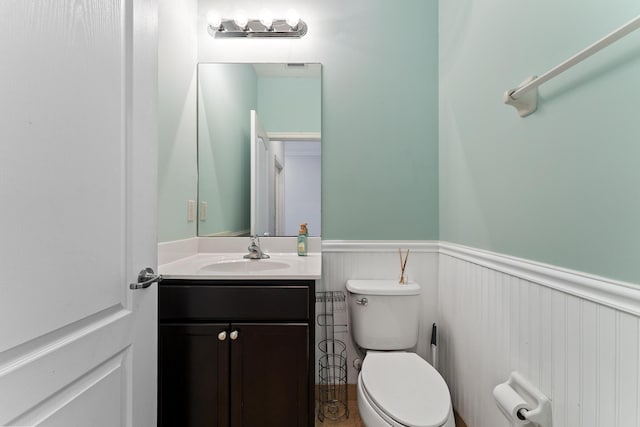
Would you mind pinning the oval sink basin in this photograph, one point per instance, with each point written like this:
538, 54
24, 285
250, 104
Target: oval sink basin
244, 266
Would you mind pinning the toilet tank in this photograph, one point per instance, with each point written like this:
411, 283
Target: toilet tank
384, 315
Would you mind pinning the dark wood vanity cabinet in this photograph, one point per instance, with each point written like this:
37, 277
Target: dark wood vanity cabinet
237, 354
193, 382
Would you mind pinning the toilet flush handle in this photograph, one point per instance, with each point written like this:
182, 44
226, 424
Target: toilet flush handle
362, 301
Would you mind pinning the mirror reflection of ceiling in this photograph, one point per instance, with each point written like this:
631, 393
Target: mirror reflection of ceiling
283, 190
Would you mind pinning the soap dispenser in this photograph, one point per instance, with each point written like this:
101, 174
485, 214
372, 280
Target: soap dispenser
303, 234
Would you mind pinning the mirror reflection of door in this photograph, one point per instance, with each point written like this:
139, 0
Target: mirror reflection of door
278, 185
262, 201
285, 183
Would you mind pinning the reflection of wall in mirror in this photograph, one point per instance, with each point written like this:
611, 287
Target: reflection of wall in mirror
290, 104
227, 92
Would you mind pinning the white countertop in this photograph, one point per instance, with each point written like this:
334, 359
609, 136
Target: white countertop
285, 266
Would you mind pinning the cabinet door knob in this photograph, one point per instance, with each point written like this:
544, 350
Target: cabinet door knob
222, 335
233, 335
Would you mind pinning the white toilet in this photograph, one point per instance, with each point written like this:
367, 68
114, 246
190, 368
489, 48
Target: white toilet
395, 387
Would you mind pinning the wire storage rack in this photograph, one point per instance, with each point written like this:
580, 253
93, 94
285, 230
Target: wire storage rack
332, 364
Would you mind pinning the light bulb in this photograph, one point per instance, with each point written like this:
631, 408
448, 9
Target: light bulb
241, 19
266, 18
293, 18
214, 19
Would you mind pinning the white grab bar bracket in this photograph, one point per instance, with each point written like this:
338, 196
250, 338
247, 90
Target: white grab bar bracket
526, 103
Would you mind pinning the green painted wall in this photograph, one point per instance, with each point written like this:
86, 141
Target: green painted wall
289, 104
379, 108
227, 93
177, 174
560, 186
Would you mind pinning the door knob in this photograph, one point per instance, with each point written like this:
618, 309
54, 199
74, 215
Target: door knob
222, 335
145, 278
233, 335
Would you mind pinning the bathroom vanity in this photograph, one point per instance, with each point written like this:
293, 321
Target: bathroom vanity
237, 348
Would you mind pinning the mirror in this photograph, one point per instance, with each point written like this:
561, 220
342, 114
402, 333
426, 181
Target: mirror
259, 149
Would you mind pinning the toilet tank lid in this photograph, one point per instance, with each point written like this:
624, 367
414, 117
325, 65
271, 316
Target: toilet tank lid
382, 287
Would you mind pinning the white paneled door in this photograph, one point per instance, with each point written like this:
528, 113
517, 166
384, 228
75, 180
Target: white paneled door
77, 212
262, 202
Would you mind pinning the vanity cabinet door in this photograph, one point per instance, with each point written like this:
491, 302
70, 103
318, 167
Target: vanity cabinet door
194, 375
270, 374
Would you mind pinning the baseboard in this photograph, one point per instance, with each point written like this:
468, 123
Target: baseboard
459, 421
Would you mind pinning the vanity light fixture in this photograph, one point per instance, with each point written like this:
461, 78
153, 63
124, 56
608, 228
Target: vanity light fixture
266, 26
241, 20
293, 19
266, 19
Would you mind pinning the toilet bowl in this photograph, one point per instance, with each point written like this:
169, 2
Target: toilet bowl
396, 387
400, 389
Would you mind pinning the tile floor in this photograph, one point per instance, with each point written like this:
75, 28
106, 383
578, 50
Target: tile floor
354, 419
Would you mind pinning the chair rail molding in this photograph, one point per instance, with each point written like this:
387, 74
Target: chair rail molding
619, 295
379, 245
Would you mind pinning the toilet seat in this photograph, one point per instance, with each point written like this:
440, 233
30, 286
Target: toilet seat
405, 390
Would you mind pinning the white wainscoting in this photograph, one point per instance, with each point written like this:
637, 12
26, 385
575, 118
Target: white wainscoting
344, 260
573, 335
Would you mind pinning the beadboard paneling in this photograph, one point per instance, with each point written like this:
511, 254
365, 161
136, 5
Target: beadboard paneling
342, 261
580, 348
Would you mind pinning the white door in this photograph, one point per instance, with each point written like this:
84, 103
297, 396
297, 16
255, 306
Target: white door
77, 212
260, 182
278, 185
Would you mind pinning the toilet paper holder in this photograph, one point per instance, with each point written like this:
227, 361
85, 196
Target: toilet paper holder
522, 402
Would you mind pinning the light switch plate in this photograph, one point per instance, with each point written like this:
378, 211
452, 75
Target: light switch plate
203, 211
191, 210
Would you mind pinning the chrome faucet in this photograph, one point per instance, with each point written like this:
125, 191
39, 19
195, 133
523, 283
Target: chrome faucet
254, 249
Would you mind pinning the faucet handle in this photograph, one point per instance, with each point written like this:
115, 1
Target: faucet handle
254, 249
